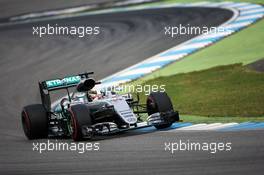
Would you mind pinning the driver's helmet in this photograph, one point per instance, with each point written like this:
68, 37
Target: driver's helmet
64, 103
93, 94
107, 92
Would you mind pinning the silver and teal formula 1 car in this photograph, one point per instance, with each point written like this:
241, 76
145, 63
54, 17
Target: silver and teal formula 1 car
84, 113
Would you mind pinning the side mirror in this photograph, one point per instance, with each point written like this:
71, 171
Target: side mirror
86, 85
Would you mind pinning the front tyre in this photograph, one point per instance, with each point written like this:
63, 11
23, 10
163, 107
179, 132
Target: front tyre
159, 102
35, 121
80, 116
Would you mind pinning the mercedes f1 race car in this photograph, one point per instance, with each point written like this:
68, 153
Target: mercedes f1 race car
84, 113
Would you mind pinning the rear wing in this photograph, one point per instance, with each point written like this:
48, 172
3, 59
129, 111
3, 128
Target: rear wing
56, 84
62, 83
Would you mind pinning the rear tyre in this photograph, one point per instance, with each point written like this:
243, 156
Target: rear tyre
159, 102
35, 121
80, 116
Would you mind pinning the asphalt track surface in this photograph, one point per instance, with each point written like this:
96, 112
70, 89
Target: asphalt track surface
127, 38
16, 7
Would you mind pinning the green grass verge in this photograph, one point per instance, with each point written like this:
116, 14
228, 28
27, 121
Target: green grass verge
189, 1
202, 119
243, 47
231, 91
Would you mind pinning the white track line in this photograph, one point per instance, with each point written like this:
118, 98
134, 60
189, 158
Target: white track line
249, 7
204, 127
193, 46
192, 127
140, 70
237, 5
249, 17
212, 35
167, 58
252, 11
208, 126
242, 24
224, 125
